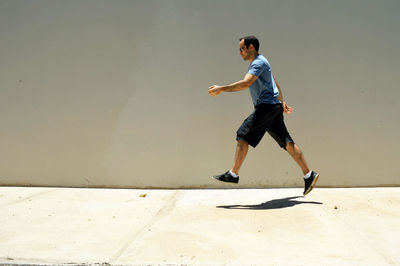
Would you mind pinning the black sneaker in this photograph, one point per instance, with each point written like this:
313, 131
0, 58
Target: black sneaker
227, 177
309, 183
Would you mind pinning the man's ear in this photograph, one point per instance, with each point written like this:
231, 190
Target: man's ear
251, 46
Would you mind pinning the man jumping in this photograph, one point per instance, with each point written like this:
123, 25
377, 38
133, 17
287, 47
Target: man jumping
267, 115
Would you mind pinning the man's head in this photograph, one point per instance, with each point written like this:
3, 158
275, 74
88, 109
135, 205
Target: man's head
248, 47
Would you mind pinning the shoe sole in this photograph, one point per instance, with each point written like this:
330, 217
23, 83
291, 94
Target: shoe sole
224, 181
312, 185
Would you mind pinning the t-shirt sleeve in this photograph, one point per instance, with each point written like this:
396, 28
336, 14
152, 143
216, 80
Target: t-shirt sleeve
256, 68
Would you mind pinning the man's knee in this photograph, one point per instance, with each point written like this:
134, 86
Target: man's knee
289, 146
242, 143
293, 149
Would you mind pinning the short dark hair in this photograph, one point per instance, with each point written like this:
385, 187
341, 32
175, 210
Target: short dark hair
251, 40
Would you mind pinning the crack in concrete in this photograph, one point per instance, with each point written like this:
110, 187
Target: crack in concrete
366, 241
27, 198
162, 212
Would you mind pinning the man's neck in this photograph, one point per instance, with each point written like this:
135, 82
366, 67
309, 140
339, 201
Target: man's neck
253, 57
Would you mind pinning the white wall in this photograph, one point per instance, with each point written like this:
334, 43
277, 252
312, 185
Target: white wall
114, 93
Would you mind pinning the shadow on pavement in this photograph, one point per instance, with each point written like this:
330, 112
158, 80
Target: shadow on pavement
272, 204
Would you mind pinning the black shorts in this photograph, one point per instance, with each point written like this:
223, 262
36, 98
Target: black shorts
265, 118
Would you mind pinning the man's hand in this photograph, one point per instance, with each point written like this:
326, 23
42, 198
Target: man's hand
287, 109
214, 90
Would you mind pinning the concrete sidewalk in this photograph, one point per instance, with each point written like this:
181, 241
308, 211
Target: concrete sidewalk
65, 226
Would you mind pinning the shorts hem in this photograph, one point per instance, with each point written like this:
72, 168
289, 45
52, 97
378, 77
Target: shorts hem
286, 142
252, 144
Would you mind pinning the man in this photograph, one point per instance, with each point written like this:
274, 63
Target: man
267, 116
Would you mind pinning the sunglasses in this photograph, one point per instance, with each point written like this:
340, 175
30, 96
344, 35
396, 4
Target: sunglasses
241, 49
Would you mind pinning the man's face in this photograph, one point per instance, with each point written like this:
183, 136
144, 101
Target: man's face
243, 50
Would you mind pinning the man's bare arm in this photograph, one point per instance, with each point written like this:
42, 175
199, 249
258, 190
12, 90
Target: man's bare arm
240, 85
287, 109
280, 96
243, 84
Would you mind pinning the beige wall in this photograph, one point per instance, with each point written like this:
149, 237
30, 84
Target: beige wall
114, 93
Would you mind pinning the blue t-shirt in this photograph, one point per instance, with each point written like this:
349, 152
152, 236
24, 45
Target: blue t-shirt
264, 89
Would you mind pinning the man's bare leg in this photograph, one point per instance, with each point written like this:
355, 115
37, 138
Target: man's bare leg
241, 151
298, 156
